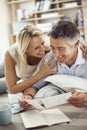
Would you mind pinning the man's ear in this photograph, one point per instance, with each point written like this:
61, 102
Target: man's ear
77, 43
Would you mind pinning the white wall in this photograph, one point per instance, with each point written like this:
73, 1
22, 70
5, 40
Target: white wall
4, 38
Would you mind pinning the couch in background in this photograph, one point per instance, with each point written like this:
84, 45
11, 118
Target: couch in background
3, 86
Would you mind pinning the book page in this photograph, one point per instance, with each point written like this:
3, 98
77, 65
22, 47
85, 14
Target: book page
56, 100
36, 118
33, 118
35, 103
54, 116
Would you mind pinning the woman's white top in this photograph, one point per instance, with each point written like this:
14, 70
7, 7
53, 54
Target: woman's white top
30, 69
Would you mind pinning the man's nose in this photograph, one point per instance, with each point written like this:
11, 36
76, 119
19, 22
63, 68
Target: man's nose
56, 52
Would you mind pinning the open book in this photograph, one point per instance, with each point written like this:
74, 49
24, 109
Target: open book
35, 118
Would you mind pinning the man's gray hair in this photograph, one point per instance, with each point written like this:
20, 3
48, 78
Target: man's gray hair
67, 30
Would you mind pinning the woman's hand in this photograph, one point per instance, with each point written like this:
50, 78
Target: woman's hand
78, 99
23, 103
48, 68
84, 49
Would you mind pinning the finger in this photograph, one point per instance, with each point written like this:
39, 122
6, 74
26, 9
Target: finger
84, 43
80, 99
24, 104
84, 49
74, 97
85, 56
42, 61
52, 65
82, 46
21, 102
75, 94
50, 60
78, 104
85, 52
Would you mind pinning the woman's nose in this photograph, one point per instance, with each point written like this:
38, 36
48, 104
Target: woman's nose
42, 48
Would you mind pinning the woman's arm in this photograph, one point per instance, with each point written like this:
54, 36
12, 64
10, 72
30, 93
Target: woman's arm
11, 77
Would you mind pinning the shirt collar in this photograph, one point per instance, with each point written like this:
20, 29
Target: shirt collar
80, 59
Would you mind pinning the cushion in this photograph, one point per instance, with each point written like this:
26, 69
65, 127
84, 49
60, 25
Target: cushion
68, 81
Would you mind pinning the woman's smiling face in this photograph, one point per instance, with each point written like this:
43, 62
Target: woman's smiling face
36, 47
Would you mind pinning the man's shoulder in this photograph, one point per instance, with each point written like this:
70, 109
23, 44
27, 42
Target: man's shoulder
50, 53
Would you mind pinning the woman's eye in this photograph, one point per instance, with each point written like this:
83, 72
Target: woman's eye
36, 48
42, 43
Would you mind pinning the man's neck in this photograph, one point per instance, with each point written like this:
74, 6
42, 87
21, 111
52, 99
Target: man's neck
72, 59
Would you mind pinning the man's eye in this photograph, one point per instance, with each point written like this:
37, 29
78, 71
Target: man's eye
61, 48
52, 47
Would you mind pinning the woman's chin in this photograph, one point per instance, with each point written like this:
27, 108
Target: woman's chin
41, 56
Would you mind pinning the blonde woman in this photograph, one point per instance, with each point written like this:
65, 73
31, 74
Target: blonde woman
22, 59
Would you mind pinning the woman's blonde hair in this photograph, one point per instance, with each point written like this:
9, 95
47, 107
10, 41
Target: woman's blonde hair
23, 38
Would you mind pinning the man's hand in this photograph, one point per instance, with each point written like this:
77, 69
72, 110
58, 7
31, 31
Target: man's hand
78, 99
23, 103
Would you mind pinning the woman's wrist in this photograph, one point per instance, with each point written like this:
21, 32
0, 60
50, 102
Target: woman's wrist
40, 75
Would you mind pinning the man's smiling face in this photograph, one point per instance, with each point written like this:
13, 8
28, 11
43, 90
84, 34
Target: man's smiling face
64, 52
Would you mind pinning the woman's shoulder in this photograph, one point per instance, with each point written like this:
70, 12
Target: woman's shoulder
13, 46
13, 51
